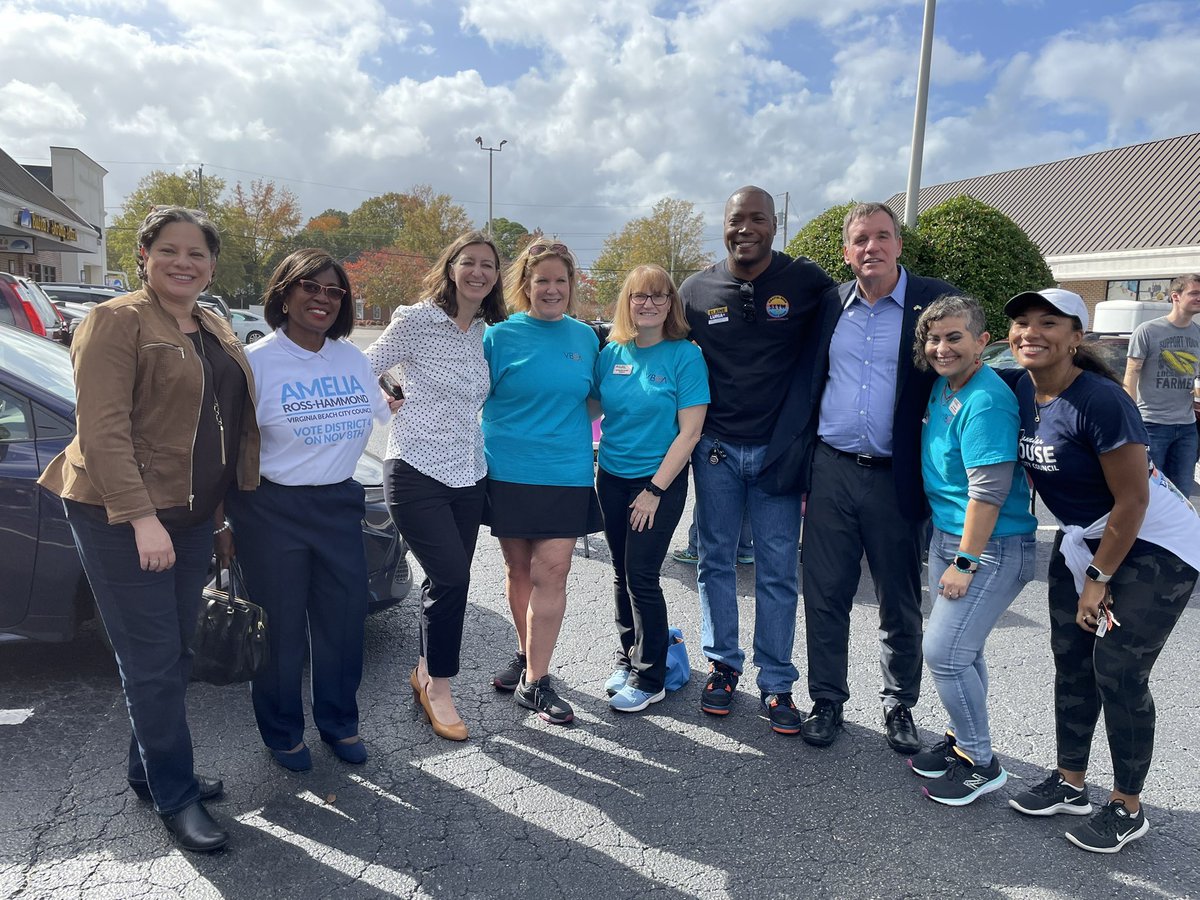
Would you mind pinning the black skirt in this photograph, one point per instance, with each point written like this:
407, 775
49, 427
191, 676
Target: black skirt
539, 511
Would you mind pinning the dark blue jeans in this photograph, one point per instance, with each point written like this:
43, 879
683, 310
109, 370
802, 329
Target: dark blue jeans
1173, 449
150, 618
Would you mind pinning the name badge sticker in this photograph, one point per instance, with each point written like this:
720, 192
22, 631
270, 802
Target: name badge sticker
955, 406
718, 314
622, 369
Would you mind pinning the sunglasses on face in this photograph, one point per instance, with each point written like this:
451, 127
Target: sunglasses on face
336, 294
746, 290
652, 299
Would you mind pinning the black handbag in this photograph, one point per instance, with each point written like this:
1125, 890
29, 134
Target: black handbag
230, 643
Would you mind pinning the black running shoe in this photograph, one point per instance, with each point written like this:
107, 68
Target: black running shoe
509, 677
1052, 796
1110, 829
781, 711
544, 700
964, 781
932, 763
717, 695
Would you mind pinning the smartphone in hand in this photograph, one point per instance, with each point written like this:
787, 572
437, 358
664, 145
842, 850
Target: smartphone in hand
391, 386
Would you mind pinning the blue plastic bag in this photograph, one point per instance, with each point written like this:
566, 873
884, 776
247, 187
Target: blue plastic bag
679, 670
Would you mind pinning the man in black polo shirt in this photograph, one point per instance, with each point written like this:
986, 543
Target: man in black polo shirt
751, 315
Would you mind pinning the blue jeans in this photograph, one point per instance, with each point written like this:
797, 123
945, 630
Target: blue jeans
745, 539
150, 618
958, 629
723, 491
1173, 449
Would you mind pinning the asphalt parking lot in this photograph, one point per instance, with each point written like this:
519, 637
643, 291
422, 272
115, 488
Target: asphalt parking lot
671, 803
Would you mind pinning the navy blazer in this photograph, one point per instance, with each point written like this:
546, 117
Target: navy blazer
912, 393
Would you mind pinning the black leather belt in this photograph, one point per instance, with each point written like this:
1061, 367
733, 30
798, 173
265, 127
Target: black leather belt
863, 459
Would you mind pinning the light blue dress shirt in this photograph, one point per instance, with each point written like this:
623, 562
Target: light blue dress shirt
859, 400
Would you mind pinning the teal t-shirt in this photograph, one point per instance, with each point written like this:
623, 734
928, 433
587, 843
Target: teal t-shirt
536, 427
642, 389
977, 426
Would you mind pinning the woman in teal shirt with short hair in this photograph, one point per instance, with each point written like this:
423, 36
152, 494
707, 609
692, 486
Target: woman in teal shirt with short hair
537, 437
653, 387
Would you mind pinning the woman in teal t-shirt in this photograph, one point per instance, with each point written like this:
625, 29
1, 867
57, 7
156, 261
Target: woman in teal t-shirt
982, 550
537, 437
653, 387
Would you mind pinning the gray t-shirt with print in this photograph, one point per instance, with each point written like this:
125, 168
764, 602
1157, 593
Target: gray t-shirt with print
1170, 355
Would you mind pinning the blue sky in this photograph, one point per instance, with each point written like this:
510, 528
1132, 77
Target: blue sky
607, 105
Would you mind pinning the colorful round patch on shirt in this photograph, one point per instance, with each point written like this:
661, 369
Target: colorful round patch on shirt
777, 307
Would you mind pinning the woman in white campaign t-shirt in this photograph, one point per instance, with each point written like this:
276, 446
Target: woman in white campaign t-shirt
435, 475
299, 536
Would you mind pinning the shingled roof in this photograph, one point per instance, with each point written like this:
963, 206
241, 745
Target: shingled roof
1130, 198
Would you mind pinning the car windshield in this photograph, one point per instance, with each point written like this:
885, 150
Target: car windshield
37, 360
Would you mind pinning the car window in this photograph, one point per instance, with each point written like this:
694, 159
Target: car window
44, 363
41, 304
6, 313
15, 421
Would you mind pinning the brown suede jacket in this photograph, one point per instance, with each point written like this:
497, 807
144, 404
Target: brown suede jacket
139, 386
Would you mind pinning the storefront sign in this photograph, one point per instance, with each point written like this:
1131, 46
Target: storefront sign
15, 245
32, 220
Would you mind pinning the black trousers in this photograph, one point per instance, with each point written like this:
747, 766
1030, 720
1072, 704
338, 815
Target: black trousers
441, 525
637, 557
852, 509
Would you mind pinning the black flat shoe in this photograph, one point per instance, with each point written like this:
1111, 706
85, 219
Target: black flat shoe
209, 788
194, 829
822, 724
901, 730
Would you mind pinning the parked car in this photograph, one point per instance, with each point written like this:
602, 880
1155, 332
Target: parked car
216, 304
248, 327
18, 307
1111, 348
74, 314
82, 294
45, 595
82, 284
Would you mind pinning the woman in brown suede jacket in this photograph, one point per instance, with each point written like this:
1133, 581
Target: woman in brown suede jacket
164, 424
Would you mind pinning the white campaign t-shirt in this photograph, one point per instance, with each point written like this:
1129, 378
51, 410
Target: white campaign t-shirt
314, 409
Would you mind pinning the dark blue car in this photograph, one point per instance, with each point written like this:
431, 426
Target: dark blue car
44, 594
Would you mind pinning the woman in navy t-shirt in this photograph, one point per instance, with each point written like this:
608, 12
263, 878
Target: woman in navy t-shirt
1084, 446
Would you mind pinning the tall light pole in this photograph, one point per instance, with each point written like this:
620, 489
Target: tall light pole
918, 138
491, 152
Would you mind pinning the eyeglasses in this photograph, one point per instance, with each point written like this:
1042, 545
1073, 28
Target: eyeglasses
336, 294
652, 299
746, 290
539, 249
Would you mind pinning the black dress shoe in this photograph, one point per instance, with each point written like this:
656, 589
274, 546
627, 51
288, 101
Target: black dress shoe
901, 731
209, 788
822, 724
194, 829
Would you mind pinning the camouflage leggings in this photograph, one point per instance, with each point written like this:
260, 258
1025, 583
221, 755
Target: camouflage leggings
1149, 593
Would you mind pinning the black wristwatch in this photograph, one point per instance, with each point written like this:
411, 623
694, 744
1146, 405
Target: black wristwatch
654, 489
966, 565
1096, 575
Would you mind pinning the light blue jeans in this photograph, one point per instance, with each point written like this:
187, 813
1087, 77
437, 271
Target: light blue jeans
958, 629
723, 491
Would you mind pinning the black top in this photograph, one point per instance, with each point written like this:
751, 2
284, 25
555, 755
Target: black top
220, 411
751, 363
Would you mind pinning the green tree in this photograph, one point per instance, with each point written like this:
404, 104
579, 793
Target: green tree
510, 237
430, 222
377, 222
821, 241
260, 219
671, 236
984, 253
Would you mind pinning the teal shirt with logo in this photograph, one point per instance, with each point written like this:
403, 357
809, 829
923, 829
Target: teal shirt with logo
536, 427
642, 390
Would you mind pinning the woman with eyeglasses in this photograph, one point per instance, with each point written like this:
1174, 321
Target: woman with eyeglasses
299, 535
653, 388
537, 436
164, 425
436, 475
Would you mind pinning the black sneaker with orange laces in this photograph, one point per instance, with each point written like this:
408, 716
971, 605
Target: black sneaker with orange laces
782, 713
717, 695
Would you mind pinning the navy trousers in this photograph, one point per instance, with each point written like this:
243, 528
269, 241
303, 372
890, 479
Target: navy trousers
150, 618
301, 550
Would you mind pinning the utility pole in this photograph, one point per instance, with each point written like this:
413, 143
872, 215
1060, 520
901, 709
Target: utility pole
786, 198
491, 152
200, 189
918, 138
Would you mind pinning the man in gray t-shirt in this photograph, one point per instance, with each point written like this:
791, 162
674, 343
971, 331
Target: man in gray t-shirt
1164, 361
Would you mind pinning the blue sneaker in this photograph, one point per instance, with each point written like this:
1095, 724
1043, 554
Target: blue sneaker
630, 699
616, 680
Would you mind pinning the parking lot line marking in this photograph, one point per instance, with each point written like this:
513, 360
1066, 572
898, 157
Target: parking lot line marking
14, 716
381, 792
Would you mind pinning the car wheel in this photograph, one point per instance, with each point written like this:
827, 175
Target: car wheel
253, 336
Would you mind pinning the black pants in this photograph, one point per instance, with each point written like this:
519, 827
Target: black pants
1150, 590
441, 525
637, 556
852, 509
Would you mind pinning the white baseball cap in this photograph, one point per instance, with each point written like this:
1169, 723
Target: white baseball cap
1065, 302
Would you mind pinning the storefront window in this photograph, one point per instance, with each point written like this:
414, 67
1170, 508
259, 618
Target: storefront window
1146, 289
